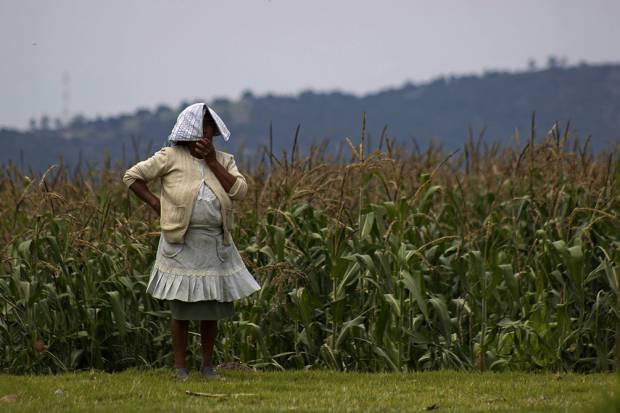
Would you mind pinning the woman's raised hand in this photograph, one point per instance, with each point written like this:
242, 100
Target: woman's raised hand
205, 148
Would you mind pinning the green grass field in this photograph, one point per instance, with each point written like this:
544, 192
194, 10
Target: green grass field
310, 391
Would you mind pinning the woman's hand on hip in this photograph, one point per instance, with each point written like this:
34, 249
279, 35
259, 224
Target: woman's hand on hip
142, 191
156, 205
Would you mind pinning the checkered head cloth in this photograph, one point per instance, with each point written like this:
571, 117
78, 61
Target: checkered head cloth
189, 124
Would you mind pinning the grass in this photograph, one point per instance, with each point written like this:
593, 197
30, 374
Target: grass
309, 391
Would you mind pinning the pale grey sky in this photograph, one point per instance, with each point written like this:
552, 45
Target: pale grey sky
126, 54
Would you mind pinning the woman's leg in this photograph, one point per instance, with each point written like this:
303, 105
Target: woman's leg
179, 341
208, 331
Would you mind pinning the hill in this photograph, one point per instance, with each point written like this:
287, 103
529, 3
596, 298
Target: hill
445, 110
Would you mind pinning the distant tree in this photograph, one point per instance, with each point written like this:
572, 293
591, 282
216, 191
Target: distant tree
45, 122
531, 64
221, 102
162, 109
33, 124
552, 62
143, 113
78, 121
306, 94
408, 84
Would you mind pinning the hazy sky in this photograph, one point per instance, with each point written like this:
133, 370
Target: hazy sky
122, 55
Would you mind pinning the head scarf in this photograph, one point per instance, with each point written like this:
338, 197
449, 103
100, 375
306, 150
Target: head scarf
189, 124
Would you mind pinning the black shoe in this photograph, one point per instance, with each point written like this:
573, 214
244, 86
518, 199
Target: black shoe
181, 373
208, 372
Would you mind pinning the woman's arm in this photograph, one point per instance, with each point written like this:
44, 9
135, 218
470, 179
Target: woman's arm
136, 177
149, 169
144, 193
229, 176
226, 179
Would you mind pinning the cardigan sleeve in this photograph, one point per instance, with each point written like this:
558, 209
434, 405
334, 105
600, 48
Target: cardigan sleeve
240, 187
148, 169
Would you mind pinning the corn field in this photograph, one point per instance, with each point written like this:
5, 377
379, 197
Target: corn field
491, 258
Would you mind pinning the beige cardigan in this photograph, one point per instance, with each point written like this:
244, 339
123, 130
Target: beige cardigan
180, 182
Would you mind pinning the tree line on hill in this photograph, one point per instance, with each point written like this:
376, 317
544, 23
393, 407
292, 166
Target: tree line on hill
446, 110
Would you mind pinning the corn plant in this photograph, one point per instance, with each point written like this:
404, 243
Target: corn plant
490, 258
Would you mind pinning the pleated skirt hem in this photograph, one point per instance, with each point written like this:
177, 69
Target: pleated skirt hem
190, 288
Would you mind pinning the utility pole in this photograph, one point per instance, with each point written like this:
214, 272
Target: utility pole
65, 99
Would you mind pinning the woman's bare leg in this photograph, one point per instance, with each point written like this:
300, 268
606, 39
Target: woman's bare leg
179, 341
208, 331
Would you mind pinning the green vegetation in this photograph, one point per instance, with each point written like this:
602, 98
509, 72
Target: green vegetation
309, 391
492, 259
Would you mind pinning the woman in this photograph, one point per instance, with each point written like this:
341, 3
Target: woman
197, 269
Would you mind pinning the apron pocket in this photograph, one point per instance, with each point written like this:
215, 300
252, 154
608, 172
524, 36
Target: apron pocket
221, 249
170, 250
